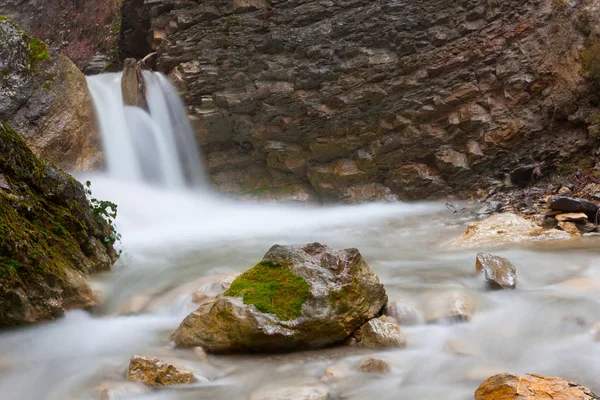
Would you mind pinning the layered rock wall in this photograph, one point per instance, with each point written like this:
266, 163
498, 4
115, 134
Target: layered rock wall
359, 99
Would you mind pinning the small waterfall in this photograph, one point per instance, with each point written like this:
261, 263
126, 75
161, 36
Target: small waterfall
156, 146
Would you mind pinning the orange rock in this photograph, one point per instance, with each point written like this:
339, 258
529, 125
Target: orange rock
531, 387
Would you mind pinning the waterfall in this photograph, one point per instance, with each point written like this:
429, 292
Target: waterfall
157, 146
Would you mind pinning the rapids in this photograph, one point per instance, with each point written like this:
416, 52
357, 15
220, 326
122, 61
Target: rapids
177, 234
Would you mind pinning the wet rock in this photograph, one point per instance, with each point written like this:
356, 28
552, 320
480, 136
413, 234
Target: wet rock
531, 387
334, 372
569, 227
120, 390
295, 298
200, 353
586, 227
572, 217
501, 229
449, 307
380, 332
292, 393
51, 238
490, 208
574, 205
498, 271
156, 372
374, 366
45, 98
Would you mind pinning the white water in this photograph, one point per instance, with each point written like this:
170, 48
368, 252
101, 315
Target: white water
156, 146
176, 239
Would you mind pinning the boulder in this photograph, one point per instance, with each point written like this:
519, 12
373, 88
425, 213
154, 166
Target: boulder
574, 205
51, 237
45, 98
374, 366
503, 229
449, 307
156, 372
380, 332
531, 387
297, 297
498, 271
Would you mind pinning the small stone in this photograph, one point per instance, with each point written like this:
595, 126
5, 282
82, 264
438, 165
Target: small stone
334, 372
199, 297
569, 227
586, 227
119, 390
490, 208
564, 190
156, 372
498, 271
531, 387
573, 217
374, 366
380, 332
449, 307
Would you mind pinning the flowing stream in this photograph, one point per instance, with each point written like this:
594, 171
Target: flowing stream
178, 238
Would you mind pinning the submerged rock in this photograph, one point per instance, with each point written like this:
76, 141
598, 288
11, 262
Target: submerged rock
374, 366
498, 271
449, 307
51, 237
531, 387
45, 97
295, 298
502, 229
156, 372
380, 332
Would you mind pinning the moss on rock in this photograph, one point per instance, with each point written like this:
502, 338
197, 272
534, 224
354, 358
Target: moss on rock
47, 227
272, 289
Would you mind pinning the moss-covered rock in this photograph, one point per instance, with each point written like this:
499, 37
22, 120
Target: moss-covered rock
295, 298
46, 100
50, 237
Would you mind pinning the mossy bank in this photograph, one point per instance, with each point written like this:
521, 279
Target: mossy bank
50, 237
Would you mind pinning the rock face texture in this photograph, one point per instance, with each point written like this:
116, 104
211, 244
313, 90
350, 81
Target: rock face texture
296, 298
45, 98
355, 99
155, 372
380, 332
50, 237
498, 271
531, 387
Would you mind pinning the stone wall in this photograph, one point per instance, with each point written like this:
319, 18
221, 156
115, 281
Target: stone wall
355, 100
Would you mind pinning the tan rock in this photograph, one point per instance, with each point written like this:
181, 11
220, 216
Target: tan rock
573, 217
380, 332
531, 387
569, 227
334, 372
564, 190
156, 372
451, 306
498, 271
502, 229
374, 366
403, 314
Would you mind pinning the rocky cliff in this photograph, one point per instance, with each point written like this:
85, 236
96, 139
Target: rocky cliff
50, 237
358, 99
45, 98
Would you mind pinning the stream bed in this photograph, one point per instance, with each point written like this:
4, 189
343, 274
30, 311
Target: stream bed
176, 242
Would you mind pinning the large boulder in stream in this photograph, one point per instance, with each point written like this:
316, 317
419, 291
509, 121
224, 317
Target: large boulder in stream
45, 98
297, 297
531, 387
50, 237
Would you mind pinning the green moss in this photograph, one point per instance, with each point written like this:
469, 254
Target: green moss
36, 48
273, 289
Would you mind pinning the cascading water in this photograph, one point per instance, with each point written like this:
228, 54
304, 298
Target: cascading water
155, 146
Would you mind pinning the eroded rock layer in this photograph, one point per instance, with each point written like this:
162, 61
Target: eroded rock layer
355, 99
